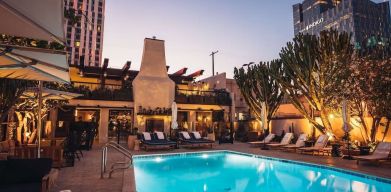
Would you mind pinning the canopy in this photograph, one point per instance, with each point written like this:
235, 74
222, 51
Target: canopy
49, 94
34, 64
36, 19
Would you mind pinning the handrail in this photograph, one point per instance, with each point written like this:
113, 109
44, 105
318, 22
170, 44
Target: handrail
118, 148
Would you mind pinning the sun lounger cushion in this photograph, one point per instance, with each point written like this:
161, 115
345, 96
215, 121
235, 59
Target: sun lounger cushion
160, 135
197, 135
301, 140
186, 135
147, 136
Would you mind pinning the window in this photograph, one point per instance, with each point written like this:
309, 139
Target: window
77, 43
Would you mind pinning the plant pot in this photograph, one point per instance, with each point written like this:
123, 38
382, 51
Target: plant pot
364, 150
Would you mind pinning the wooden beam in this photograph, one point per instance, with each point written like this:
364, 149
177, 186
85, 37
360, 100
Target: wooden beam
180, 72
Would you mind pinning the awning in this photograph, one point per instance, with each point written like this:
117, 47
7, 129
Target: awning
50, 94
36, 19
33, 64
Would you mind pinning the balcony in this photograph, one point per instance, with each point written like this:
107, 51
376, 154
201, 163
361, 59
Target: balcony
110, 92
218, 97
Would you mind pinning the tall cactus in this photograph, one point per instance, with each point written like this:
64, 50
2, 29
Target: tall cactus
257, 86
310, 72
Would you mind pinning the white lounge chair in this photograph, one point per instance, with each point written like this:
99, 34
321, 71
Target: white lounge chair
299, 143
319, 146
285, 141
267, 140
382, 152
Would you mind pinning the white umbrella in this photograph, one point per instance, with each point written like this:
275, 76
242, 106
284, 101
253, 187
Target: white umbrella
34, 64
174, 110
36, 19
50, 94
264, 116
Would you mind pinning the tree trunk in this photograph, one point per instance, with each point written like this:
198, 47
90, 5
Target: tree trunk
325, 120
375, 126
386, 130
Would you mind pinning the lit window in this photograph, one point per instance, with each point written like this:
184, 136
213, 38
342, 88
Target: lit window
77, 43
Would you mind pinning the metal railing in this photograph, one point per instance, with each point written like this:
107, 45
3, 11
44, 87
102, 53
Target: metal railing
114, 166
184, 96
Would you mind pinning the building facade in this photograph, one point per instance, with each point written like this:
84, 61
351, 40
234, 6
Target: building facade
361, 18
84, 31
141, 99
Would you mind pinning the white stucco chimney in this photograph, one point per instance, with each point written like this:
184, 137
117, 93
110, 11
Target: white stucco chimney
152, 87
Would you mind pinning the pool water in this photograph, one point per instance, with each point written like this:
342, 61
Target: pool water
227, 171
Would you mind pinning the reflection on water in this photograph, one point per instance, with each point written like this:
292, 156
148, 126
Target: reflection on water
236, 173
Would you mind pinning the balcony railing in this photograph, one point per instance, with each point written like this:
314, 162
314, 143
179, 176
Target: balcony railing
110, 92
218, 97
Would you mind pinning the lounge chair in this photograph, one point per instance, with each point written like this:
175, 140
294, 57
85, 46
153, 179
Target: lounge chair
149, 140
267, 140
285, 141
194, 139
299, 143
319, 146
382, 152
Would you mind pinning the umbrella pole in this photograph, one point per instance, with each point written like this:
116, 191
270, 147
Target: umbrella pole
39, 117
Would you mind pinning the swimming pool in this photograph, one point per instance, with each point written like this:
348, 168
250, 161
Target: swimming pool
229, 171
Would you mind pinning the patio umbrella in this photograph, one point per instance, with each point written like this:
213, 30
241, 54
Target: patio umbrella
37, 19
346, 127
174, 110
264, 123
49, 94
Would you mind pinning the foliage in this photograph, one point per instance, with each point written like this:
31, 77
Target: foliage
10, 91
72, 16
257, 85
368, 87
27, 42
310, 72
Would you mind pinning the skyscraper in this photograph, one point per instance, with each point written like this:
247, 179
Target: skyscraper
84, 31
361, 18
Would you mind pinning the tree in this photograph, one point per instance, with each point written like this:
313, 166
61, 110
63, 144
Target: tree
257, 85
10, 91
310, 66
368, 87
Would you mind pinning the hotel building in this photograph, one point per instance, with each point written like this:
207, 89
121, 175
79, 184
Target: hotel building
85, 34
361, 18
142, 98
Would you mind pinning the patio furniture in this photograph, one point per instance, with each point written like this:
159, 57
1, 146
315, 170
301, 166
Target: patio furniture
7, 148
299, 143
319, 146
55, 153
382, 152
285, 141
266, 140
194, 139
25, 175
155, 141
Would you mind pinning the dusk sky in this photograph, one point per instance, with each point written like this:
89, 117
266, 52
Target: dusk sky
242, 31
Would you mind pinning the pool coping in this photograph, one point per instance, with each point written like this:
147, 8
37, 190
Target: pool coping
327, 167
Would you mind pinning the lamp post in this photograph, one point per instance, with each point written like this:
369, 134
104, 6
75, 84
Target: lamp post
213, 62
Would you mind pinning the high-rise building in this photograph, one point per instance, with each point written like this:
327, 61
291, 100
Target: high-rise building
361, 18
84, 33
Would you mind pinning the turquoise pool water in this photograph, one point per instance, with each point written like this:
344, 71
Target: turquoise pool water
227, 171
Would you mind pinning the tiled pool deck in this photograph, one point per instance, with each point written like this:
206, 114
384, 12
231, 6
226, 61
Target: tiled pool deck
85, 176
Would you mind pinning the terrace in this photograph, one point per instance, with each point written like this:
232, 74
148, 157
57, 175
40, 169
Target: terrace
85, 175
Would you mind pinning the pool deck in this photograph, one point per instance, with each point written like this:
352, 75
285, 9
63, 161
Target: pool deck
85, 175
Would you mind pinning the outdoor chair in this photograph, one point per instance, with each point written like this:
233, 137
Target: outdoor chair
299, 143
194, 139
25, 175
285, 141
155, 141
382, 152
266, 140
319, 146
